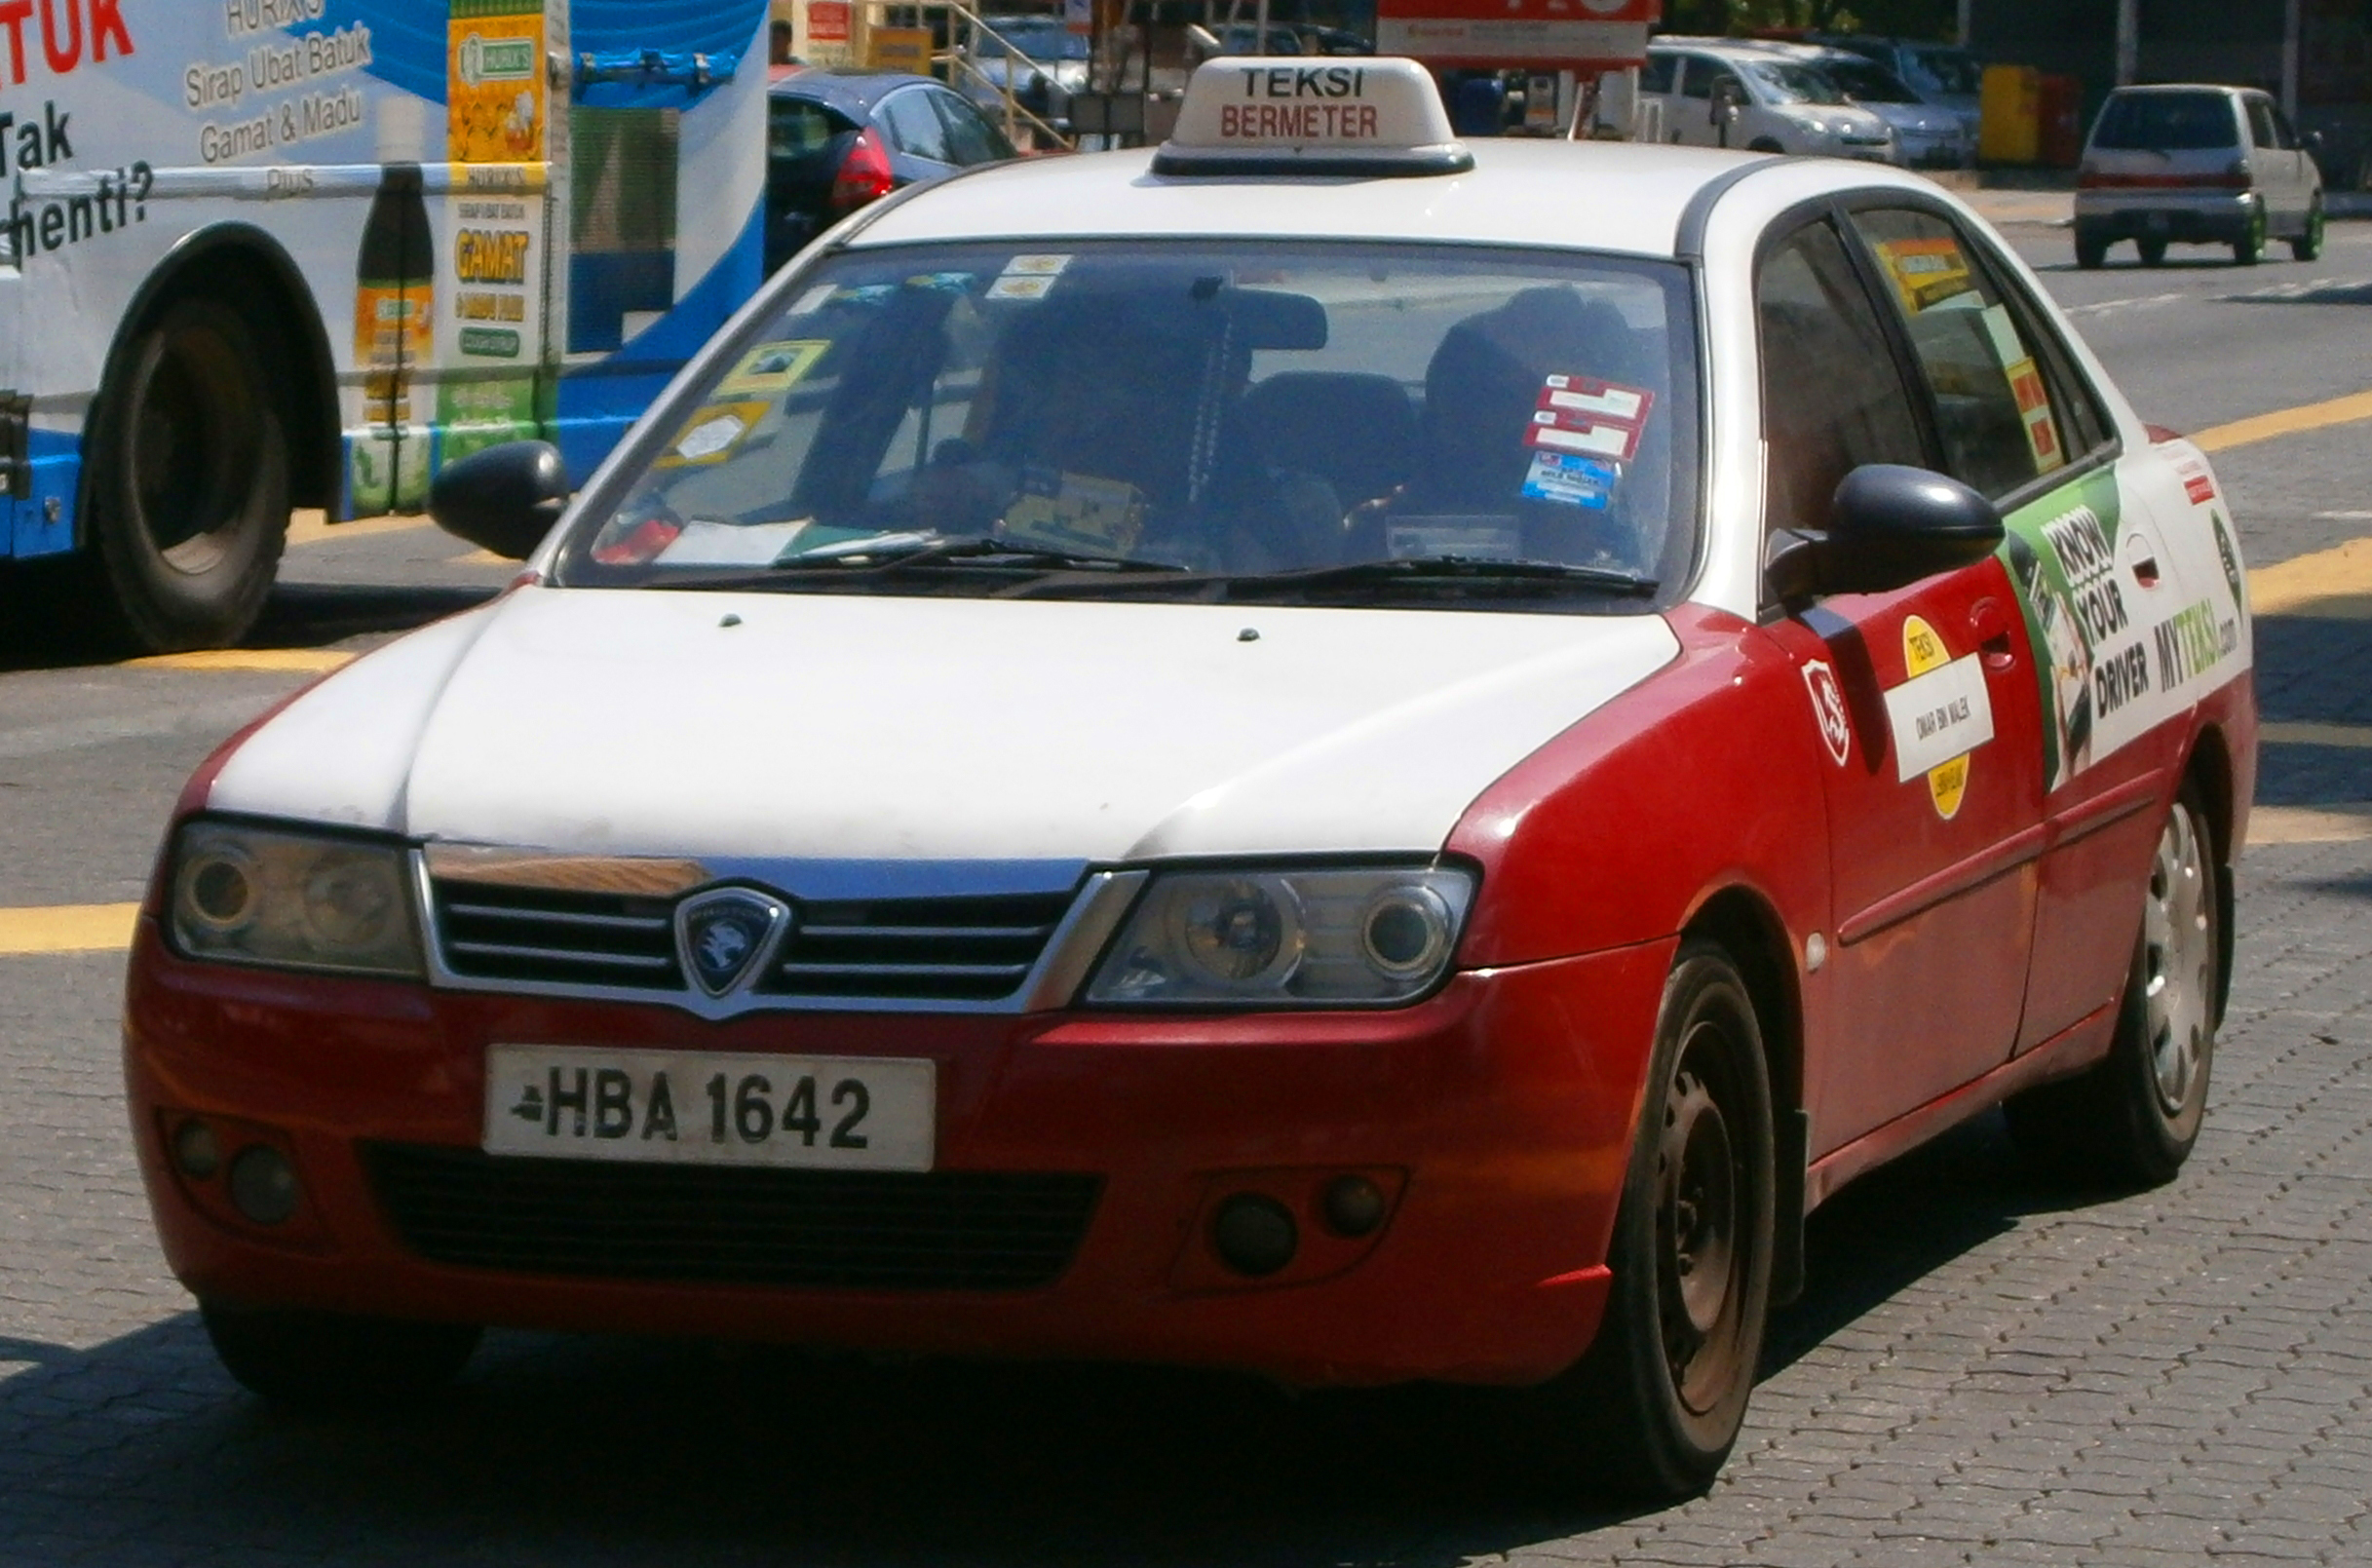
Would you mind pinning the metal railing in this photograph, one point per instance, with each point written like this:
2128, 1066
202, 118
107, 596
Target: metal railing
960, 64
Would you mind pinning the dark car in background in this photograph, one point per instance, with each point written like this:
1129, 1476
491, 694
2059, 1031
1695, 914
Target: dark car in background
836, 139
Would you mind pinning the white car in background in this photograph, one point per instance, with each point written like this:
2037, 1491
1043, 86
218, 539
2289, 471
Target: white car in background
1713, 92
2195, 164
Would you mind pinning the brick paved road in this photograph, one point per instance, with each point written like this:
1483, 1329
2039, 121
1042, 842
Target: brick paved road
1986, 1370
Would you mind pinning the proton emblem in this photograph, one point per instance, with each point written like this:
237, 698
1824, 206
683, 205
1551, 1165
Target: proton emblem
1828, 711
724, 936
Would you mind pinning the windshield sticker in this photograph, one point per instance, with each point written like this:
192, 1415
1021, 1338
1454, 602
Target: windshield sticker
1939, 716
814, 300
1926, 273
731, 544
944, 282
1570, 481
1595, 418
712, 435
1828, 711
773, 369
1079, 511
1470, 538
1028, 276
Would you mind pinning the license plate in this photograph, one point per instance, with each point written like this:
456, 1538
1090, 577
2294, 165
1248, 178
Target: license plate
669, 1107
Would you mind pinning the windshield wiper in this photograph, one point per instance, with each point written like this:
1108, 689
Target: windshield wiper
1461, 572
866, 560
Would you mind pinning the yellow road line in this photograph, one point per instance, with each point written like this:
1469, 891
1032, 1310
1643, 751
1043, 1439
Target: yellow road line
302, 661
2344, 410
2309, 825
67, 928
315, 527
2357, 736
2329, 584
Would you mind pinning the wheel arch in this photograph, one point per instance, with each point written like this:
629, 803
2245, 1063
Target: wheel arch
2210, 769
1747, 927
249, 271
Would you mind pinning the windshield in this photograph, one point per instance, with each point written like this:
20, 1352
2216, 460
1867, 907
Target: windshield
1796, 84
1946, 70
1198, 410
1866, 81
2166, 122
1038, 38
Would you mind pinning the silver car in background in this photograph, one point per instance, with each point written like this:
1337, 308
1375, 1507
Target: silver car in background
1926, 135
2196, 164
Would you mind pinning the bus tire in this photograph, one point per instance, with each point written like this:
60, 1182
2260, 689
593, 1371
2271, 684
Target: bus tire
187, 485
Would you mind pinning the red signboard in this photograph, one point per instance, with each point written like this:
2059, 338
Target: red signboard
1564, 34
827, 21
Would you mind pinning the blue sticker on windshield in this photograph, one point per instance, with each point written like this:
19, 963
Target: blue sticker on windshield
1570, 481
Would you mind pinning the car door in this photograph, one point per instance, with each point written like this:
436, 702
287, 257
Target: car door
1659, 96
2277, 168
2093, 575
1928, 709
1701, 79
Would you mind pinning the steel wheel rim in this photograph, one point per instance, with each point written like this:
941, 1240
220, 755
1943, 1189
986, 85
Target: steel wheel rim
2177, 962
1701, 1260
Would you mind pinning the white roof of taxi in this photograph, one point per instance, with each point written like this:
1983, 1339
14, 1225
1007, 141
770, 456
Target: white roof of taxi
1608, 196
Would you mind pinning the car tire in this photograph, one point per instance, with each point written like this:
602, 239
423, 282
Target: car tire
2251, 244
2153, 252
186, 487
2308, 246
2132, 1119
324, 1361
1653, 1409
2091, 251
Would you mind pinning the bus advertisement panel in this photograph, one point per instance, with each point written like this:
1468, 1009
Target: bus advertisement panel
264, 253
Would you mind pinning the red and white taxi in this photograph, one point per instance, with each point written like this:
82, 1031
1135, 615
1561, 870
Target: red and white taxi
1315, 750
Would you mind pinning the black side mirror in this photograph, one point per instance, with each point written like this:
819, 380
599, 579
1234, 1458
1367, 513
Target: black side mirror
1889, 527
504, 499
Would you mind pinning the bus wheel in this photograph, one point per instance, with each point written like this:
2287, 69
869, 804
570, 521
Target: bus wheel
188, 486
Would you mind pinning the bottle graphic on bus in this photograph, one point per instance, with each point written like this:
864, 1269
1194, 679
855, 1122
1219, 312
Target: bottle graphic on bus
393, 328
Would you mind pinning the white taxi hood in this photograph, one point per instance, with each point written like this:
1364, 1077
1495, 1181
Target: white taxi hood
843, 727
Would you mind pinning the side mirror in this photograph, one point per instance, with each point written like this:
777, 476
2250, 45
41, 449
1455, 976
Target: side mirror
1890, 526
1728, 97
504, 499
2311, 141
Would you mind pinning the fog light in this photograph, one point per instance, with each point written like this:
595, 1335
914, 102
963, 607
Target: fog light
196, 1152
1354, 1207
1254, 1235
263, 1188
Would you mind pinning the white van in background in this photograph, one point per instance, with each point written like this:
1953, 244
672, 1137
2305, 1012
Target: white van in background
1713, 92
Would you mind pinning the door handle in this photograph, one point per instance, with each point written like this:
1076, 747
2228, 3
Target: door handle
1989, 625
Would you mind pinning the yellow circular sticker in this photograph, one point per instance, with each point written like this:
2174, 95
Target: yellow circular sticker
1924, 650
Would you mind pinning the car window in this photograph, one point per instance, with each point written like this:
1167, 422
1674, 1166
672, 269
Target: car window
797, 130
1244, 406
1946, 70
1834, 394
971, 139
1656, 76
2261, 125
1697, 82
1865, 80
2284, 133
915, 126
1785, 82
1993, 406
2166, 122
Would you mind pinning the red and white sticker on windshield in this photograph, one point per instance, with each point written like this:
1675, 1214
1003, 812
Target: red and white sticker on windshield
1579, 413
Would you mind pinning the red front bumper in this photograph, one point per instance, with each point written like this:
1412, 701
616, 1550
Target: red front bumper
1500, 1111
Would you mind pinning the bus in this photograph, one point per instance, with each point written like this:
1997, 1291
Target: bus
266, 255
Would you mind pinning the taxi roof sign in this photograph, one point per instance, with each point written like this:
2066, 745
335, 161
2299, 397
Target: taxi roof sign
1263, 115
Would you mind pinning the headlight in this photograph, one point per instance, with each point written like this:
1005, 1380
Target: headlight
1286, 937
250, 896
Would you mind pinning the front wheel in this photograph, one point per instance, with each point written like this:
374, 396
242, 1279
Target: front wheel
2091, 251
1654, 1407
2153, 252
188, 486
2308, 246
2132, 1119
324, 1361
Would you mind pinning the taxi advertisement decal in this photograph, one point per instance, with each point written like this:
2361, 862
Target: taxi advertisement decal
2114, 656
1939, 716
1075, 512
1925, 272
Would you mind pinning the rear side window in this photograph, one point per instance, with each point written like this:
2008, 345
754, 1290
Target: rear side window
916, 127
2171, 122
969, 138
1656, 76
1833, 396
796, 130
1994, 409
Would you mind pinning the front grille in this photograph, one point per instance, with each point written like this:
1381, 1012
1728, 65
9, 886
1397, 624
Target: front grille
496, 933
922, 949
938, 1230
